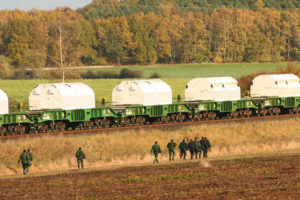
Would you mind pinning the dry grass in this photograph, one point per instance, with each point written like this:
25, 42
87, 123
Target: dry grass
55, 153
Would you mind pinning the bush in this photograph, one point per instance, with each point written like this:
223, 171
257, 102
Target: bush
128, 73
155, 75
24, 75
91, 74
246, 81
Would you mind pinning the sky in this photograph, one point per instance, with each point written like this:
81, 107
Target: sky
41, 4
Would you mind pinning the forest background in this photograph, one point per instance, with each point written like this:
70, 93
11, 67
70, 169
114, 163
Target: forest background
148, 32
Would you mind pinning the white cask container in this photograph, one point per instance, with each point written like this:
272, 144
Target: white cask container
66, 96
142, 92
212, 88
4, 107
277, 85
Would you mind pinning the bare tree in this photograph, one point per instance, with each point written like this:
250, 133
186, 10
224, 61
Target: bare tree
64, 40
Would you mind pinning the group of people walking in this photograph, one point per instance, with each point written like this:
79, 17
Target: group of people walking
196, 147
26, 159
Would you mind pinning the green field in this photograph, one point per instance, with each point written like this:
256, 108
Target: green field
175, 75
201, 70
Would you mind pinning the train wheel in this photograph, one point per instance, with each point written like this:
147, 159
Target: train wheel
140, 120
60, 126
180, 117
10, 130
234, 115
44, 128
19, 129
264, 112
212, 115
296, 110
173, 118
97, 123
276, 111
2, 131
248, 112
126, 122
90, 124
198, 116
105, 123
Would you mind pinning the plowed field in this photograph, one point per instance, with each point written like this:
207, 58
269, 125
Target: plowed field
275, 177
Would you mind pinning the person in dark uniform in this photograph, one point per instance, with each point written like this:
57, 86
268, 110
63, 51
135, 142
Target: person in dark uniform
208, 146
183, 146
203, 147
192, 148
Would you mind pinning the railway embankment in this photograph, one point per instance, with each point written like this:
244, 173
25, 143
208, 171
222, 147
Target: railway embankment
133, 146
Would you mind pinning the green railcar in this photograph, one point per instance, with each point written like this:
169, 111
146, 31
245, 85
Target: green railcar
277, 105
217, 109
18, 123
138, 114
81, 118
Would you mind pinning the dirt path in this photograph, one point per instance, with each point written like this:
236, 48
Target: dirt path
276, 177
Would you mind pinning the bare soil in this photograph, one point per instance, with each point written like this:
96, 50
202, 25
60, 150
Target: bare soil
274, 177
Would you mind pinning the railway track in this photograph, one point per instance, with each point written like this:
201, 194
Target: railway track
148, 126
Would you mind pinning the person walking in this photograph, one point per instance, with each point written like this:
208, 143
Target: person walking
24, 159
208, 146
183, 146
197, 148
192, 148
203, 147
155, 150
30, 158
171, 146
80, 155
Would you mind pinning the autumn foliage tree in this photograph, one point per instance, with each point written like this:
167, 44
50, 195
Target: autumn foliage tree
148, 32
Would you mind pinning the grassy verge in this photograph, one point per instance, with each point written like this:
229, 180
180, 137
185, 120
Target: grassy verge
133, 147
197, 70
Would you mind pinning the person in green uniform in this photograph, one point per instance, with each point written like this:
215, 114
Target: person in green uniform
24, 159
30, 158
171, 146
80, 155
155, 150
198, 148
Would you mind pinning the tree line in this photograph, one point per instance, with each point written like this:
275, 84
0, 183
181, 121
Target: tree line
31, 39
102, 9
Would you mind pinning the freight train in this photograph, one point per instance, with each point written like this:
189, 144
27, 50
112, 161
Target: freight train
70, 106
